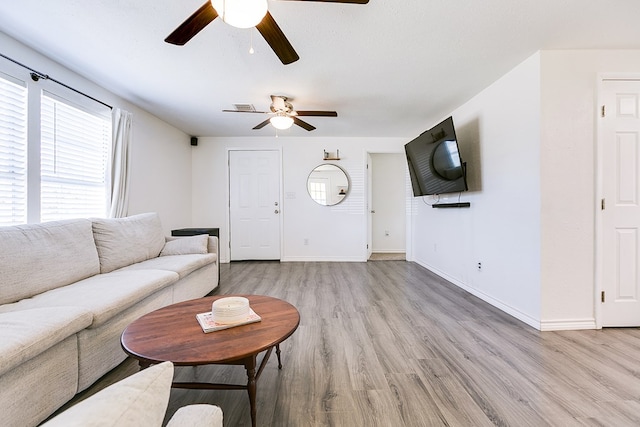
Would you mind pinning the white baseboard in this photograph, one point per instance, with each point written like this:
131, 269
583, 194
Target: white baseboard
523, 317
568, 325
541, 325
311, 259
321, 259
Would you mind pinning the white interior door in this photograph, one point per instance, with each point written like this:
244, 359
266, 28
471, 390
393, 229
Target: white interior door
620, 208
254, 205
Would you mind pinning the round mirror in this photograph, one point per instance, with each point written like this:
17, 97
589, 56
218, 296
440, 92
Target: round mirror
328, 184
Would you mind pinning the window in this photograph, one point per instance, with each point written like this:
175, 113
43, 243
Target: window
318, 191
59, 172
74, 154
13, 151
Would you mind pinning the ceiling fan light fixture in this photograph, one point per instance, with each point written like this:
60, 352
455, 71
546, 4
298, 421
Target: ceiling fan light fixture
241, 13
281, 121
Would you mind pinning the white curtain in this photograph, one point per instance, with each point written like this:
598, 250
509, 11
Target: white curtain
120, 163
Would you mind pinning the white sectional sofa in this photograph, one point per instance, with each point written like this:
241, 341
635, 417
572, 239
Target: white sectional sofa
67, 291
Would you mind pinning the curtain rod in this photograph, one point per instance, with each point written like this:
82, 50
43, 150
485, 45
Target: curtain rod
37, 75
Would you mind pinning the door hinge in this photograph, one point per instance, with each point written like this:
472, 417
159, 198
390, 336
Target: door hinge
602, 111
602, 204
602, 296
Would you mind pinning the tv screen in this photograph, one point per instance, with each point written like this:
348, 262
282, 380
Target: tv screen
434, 161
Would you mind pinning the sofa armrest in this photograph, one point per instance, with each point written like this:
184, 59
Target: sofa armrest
213, 246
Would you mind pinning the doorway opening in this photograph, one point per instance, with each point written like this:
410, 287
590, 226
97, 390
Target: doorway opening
386, 205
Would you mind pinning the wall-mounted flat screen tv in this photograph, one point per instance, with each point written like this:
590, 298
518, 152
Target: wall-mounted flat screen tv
434, 161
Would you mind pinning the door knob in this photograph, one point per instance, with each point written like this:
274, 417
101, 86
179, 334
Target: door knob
373, 211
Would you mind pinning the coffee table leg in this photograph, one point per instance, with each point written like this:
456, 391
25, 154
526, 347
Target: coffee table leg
278, 354
250, 366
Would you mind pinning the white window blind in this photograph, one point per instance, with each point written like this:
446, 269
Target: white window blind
13, 151
74, 157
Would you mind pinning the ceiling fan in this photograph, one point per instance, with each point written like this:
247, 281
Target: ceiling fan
284, 116
243, 14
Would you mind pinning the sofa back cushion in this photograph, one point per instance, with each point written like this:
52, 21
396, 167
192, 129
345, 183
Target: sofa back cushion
35, 258
125, 241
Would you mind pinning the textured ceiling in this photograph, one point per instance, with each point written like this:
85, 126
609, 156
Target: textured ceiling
389, 68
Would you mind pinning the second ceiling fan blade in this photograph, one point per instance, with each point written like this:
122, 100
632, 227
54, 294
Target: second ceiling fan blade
193, 25
261, 125
302, 124
241, 111
317, 113
277, 40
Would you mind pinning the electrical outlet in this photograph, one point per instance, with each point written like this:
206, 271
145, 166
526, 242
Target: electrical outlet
386, 233
479, 266
306, 242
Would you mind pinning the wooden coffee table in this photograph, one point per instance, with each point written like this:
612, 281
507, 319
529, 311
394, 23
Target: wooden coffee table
173, 334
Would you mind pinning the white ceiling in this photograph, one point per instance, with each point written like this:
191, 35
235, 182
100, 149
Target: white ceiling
389, 68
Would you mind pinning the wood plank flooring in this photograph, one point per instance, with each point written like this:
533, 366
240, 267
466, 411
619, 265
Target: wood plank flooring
390, 344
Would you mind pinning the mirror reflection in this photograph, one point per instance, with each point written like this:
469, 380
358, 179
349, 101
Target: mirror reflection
328, 184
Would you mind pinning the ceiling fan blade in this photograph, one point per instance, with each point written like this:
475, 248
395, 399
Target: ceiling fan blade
193, 25
340, 1
277, 40
303, 124
317, 113
261, 125
241, 111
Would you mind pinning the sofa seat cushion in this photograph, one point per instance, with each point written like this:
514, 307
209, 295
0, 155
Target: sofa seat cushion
103, 295
124, 241
181, 264
27, 333
35, 258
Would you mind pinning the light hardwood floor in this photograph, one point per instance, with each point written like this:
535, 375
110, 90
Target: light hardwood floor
390, 344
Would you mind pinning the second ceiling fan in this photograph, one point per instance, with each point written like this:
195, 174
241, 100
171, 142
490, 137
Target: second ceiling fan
284, 116
243, 14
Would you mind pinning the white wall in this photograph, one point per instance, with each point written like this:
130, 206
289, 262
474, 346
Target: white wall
498, 133
161, 178
336, 233
161, 159
531, 143
569, 180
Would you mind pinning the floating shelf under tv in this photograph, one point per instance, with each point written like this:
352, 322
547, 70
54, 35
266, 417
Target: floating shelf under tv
452, 205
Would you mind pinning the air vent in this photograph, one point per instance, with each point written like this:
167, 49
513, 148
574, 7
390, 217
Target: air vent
244, 107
